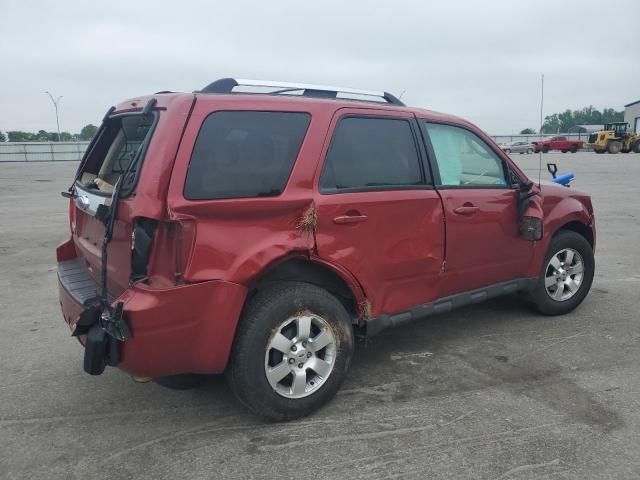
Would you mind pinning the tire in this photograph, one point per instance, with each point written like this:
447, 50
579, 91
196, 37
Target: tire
574, 149
545, 149
636, 146
181, 382
614, 147
529, 151
543, 296
281, 310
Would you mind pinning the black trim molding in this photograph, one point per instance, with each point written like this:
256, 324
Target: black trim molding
446, 304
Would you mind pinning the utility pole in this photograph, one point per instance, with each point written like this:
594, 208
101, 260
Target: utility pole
55, 104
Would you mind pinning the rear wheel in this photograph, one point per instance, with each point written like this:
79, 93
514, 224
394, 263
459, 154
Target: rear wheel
566, 275
614, 147
293, 349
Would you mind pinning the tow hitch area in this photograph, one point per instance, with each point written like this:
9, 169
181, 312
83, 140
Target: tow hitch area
105, 329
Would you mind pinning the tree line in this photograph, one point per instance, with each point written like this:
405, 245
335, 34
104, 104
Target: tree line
558, 122
43, 136
562, 122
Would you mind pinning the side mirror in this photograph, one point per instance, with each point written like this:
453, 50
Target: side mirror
531, 228
531, 214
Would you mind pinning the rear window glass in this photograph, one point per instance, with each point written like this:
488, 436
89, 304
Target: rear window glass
118, 151
244, 154
371, 153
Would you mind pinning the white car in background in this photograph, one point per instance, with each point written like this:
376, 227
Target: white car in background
517, 147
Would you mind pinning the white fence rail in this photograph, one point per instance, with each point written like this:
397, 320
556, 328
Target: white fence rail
532, 138
73, 151
41, 151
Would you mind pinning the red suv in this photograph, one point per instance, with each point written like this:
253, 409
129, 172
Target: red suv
255, 228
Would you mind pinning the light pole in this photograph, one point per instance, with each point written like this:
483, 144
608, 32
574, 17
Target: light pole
55, 104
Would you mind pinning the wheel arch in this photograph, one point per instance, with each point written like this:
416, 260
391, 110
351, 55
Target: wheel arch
579, 228
315, 271
569, 214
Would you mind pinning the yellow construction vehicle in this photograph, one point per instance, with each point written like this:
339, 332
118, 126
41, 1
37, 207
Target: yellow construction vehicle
616, 137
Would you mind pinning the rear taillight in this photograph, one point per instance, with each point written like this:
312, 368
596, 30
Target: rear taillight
161, 255
184, 234
141, 243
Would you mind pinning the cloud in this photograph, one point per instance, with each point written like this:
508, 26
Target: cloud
476, 59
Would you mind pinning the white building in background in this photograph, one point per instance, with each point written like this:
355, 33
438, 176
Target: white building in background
632, 115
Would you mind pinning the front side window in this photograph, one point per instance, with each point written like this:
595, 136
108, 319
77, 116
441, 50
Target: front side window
371, 153
463, 159
244, 154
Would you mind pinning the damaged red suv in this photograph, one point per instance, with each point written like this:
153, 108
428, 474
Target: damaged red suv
255, 228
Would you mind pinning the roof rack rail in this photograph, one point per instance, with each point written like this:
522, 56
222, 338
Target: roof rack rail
226, 85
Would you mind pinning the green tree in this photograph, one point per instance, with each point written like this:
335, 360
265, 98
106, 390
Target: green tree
528, 131
3, 137
44, 136
88, 131
562, 122
18, 136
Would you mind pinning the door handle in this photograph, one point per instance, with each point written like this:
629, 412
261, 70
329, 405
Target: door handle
350, 219
466, 210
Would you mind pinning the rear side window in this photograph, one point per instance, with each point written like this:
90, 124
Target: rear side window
369, 153
244, 154
118, 152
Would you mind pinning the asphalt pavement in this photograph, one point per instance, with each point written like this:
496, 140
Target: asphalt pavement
492, 391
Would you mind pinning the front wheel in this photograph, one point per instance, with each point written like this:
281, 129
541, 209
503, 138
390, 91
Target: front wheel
566, 275
614, 147
292, 351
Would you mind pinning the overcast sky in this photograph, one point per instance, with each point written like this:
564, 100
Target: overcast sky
478, 60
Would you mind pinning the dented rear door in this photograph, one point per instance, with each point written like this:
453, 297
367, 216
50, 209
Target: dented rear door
378, 213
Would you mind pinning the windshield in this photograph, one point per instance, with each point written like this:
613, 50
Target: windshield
616, 127
119, 150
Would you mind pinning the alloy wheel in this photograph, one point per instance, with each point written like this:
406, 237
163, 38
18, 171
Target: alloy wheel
300, 355
564, 274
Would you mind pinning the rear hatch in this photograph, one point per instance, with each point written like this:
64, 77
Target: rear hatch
114, 158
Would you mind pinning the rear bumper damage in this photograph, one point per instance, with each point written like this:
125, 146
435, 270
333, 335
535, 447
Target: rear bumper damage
181, 329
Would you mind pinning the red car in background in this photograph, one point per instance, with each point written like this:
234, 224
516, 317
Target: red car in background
257, 233
557, 143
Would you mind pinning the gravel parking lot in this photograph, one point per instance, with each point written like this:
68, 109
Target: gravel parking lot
492, 391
